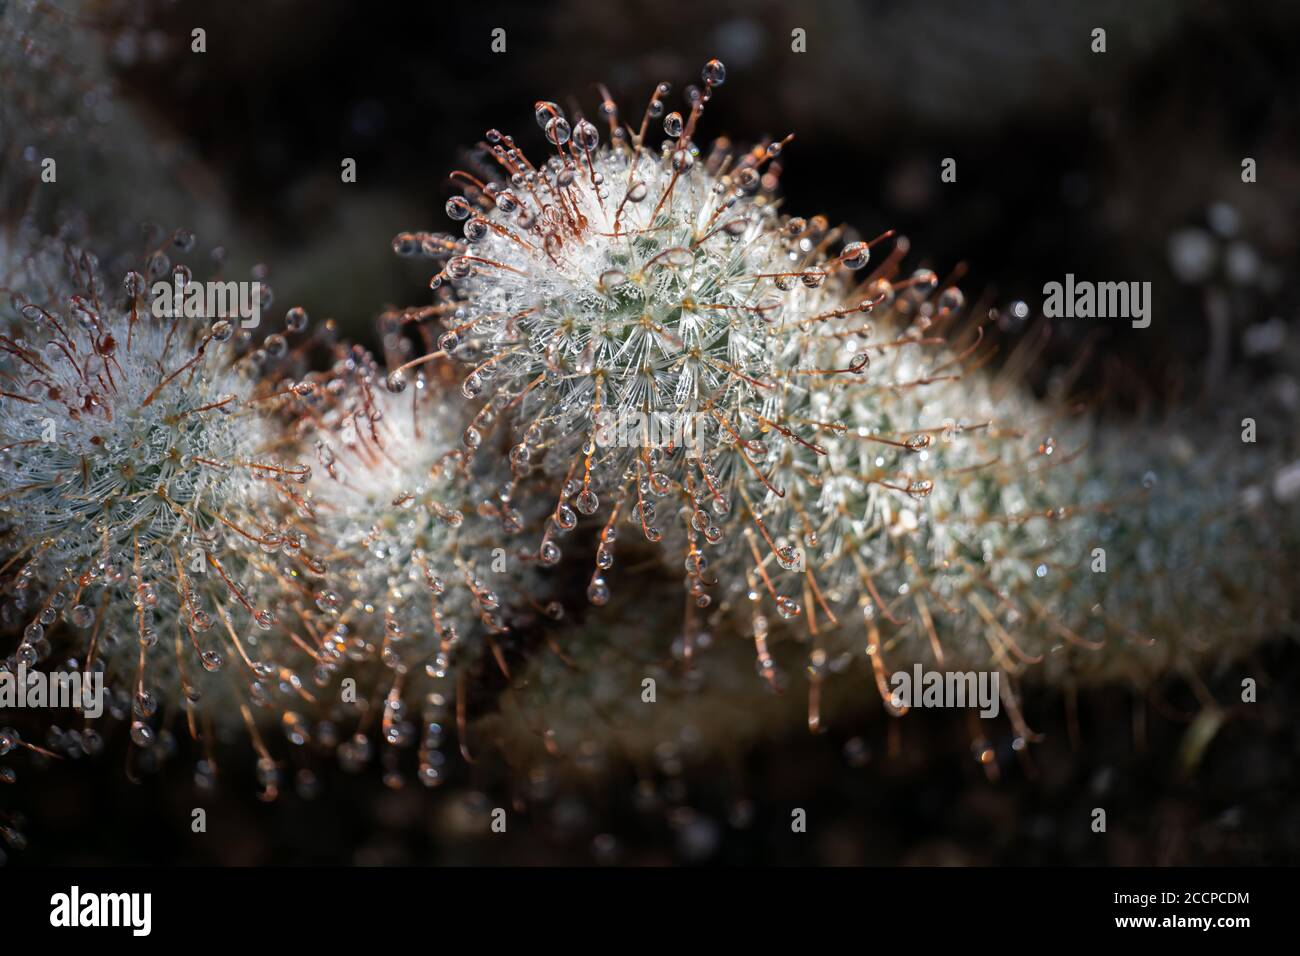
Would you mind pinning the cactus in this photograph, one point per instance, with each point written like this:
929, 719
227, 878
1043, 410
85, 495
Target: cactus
408, 594
148, 512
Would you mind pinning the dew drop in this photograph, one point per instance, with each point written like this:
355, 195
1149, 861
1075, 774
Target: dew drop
679, 258
557, 130
565, 518
134, 283
458, 208
855, 255
585, 136
544, 111
145, 596
142, 734
951, 299
923, 282
788, 608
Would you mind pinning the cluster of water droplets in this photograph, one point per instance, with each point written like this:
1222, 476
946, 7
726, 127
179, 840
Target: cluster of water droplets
417, 573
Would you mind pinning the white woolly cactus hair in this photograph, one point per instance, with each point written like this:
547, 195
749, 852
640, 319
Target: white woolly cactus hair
147, 513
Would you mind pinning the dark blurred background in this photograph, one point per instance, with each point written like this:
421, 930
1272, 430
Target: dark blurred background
918, 799
1122, 165
1117, 166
